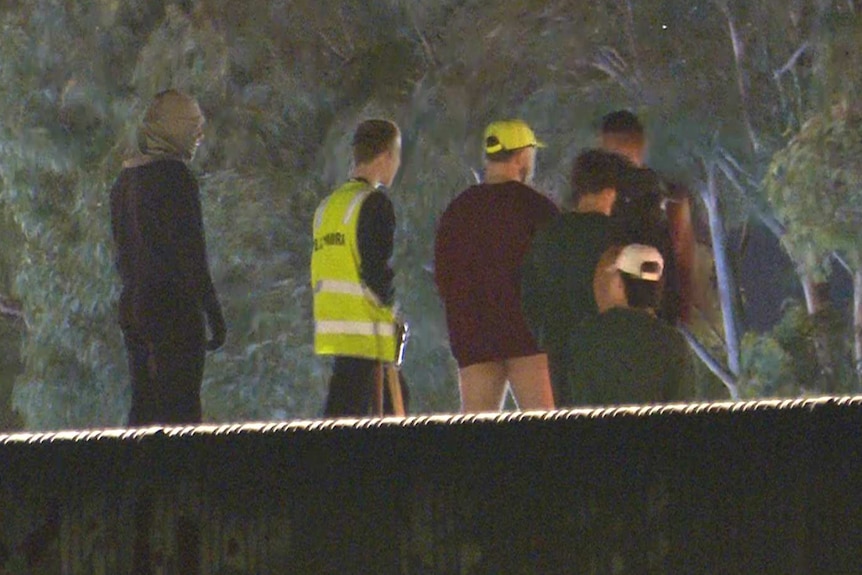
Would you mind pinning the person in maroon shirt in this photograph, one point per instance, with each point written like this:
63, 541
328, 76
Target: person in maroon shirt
481, 241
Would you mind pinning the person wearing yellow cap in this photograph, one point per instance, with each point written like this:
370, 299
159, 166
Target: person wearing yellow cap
168, 298
625, 354
481, 240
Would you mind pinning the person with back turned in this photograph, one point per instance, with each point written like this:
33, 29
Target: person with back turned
651, 210
354, 315
625, 354
481, 241
167, 298
557, 273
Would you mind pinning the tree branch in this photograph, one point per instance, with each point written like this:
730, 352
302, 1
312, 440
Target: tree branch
728, 294
609, 61
741, 77
632, 37
713, 364
710, 326
791, 62
426, 46
724, 164
332, 47
842, 262
10, 308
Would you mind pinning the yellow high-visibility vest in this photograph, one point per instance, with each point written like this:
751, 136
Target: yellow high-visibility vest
349, 319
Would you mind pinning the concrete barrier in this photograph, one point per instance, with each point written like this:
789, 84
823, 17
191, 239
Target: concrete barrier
766, 487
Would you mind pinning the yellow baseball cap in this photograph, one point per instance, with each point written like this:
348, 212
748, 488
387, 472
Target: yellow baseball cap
508, 135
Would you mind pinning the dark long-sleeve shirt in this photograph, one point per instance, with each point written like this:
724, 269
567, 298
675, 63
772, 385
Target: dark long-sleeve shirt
627, 356
158, 232
557, 275
375, 238
651, 211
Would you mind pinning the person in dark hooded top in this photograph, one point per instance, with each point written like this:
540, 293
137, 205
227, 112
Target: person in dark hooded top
626, 354
168, 298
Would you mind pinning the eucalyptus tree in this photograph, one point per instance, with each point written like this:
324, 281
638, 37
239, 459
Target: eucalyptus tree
815, 185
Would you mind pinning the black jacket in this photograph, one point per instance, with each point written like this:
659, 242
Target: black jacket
161, 255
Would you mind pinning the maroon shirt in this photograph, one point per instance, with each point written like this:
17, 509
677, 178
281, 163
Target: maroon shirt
481, 241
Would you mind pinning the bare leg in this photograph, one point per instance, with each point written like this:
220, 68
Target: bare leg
531, 382
483, 387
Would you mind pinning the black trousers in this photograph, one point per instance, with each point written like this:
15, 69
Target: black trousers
166, 376
352, 388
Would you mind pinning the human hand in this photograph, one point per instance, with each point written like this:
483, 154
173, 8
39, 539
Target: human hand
217, 327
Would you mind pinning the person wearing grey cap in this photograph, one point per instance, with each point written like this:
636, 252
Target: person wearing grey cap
168, 298
626, 354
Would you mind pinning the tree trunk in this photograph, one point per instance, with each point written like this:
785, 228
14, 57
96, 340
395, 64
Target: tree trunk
818, 305
741, 79
727, 289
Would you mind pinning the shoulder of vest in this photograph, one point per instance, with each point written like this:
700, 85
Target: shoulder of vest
354, 186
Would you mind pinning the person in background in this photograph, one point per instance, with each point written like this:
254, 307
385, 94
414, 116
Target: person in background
167, 299
354, 298
557, 273
480, 244
626, 354
655, 212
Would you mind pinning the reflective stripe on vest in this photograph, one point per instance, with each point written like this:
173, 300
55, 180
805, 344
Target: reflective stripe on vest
354, 328
349, 318
357, 201
345, 288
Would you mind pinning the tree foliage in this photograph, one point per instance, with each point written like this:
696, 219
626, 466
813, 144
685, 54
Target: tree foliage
815, 184
282, 85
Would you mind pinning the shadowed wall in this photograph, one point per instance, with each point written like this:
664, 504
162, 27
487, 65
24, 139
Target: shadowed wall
768, 487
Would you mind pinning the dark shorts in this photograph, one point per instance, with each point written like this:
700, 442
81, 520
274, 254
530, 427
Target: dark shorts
489, 333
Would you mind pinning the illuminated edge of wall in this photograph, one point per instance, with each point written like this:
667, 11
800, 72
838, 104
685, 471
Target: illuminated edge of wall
419, 421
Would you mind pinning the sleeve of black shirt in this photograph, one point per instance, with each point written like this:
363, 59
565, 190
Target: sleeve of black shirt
376, 238
535, 302
118, 226
187, 234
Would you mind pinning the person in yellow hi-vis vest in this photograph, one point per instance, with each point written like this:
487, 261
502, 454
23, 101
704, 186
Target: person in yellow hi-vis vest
351, 276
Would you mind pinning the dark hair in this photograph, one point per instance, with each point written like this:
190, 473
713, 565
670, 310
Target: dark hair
642, 294
639, 210
372, 138
622, 122
595, 170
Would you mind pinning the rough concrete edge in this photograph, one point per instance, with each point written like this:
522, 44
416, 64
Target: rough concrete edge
418, 421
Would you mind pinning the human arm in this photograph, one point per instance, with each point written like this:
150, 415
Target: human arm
376, 240
186, 233
538, 279
535, 301
684, 249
